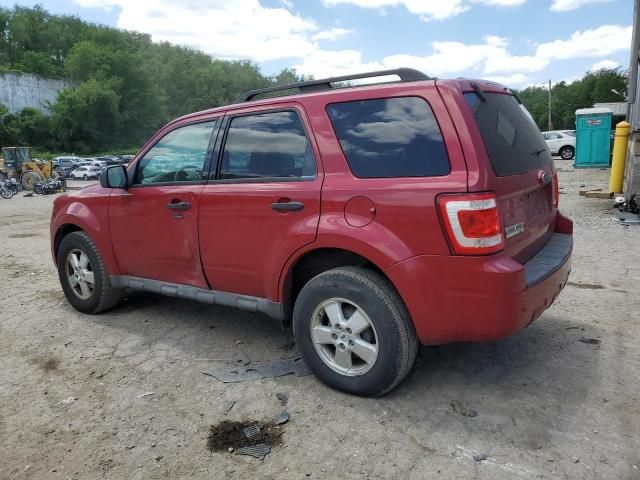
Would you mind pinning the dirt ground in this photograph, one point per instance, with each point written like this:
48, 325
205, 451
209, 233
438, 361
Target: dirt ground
122, 395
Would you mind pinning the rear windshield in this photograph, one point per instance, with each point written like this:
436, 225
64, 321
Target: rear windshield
513, 141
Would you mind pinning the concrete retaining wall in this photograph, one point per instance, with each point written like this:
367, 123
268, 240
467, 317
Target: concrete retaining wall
20, 90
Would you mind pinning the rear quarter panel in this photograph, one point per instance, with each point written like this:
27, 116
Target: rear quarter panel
405, 219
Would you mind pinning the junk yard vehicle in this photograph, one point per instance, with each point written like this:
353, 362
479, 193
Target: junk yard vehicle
17, 163
373, 218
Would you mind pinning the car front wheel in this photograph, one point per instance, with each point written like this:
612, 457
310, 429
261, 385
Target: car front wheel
83, 276
354, 331
567, 153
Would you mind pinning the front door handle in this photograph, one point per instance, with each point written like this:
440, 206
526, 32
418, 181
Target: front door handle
287, 206
179, 205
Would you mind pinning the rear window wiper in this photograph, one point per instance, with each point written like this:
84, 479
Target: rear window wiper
478, 91
538, 152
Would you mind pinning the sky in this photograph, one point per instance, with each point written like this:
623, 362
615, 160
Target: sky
516, 42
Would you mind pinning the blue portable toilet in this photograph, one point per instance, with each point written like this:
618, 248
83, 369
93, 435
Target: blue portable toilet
593, 137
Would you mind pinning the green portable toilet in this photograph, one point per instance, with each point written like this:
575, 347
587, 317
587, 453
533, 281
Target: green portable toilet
593, 137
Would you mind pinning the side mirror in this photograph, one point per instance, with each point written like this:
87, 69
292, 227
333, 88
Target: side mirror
114, 176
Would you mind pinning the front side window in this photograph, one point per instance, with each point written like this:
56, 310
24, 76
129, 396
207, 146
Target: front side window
267, 145
390, 137
178, 157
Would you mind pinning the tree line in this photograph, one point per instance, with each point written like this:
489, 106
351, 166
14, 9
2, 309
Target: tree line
127, 86
601, 86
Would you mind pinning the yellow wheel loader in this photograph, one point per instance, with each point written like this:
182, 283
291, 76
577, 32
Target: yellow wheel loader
16, 162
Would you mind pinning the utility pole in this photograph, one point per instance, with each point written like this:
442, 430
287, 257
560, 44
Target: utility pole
550, 125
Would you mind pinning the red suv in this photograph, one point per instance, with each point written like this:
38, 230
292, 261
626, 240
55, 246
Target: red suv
373, 217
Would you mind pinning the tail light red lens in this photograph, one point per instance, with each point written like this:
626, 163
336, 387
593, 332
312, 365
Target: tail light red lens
472, 222
556, 191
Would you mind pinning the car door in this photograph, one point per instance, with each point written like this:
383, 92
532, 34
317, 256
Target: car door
263, 200
556, 142
154, 223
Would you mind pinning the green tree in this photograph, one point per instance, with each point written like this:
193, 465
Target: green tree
86, 117
595, 87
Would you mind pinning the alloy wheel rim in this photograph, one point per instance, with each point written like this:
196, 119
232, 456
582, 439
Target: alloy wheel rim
80, 275
566, 154
344, 337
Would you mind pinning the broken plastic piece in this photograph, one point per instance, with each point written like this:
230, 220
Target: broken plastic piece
282, 418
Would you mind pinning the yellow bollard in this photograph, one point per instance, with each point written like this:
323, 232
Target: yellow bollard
619, 157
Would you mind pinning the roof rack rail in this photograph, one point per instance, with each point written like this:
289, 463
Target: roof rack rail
405, 75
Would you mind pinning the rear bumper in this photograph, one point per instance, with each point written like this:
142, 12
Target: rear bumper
458, 298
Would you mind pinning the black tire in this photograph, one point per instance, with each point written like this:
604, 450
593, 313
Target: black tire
85, 178
104, 296
397, 342
567, 153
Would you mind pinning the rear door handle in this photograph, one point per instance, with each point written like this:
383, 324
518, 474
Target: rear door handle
287, 206
179, 205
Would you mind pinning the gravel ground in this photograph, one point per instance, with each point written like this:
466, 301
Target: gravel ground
122, 395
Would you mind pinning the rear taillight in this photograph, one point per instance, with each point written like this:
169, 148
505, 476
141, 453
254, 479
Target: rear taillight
472, 222
556, 191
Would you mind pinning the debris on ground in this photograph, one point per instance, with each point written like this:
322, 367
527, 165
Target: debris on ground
459, 408
244, 438
276, 368
146, 394
258, 451
283, 399
227, 406
252, 432
282, 418
590, 341
479, 457
597, 193
68, 401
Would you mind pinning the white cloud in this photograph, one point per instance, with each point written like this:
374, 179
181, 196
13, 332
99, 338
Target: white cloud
330, 35
597, 42
501, 3
566, 5
425, 9
515, 80
239, 29
608, 64
489, 57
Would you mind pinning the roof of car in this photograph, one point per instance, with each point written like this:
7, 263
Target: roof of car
326, 86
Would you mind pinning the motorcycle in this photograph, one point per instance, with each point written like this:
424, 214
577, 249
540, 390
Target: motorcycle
13, 185
51, 186
6, 192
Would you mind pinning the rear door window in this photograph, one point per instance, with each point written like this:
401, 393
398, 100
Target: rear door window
271, 145
390, 137
512, 139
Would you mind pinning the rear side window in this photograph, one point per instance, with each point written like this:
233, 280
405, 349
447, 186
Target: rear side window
390, 137
512, 139
267, 145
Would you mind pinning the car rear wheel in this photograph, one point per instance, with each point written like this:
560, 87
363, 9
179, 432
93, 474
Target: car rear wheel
83, 276
567, 153
85, 178
354, 331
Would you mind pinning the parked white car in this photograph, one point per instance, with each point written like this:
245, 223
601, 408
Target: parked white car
95, 162
561, 142
86, 172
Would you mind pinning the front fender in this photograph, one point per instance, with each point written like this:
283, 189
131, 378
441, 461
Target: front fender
90, 217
